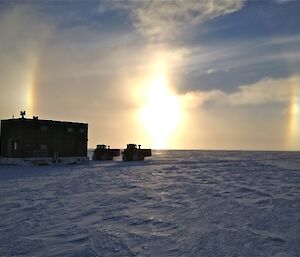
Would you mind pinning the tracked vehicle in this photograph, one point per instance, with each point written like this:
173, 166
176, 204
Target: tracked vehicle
132, 153
104, 153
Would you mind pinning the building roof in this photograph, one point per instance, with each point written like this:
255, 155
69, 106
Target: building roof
44, 121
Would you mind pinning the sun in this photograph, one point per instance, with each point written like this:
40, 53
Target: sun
161, 110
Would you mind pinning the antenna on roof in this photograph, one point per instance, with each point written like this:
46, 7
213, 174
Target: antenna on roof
22, 113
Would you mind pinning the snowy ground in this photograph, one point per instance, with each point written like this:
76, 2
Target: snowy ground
177, 203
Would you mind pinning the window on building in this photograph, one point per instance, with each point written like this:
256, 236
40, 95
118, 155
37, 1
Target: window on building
70, 130
43, 147
81, 130
15, 145
44, 128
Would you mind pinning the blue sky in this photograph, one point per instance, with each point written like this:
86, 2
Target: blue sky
233, 66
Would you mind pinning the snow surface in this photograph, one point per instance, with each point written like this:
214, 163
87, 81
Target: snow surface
176, 203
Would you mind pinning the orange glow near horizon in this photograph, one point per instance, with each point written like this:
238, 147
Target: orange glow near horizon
31, 84
294, 115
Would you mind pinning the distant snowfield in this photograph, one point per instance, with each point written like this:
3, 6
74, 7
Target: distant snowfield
177, 203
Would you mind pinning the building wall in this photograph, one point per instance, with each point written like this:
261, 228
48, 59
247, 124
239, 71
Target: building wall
43, 138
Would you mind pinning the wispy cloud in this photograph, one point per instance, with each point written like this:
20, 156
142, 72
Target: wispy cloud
227, 65
163, 19
265, 91
284, 1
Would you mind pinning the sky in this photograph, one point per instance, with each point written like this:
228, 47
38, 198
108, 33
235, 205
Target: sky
181, 74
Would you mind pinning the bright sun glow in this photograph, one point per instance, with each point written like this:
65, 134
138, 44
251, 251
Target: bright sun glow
161, 111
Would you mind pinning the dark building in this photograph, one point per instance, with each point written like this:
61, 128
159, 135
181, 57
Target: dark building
26, 138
